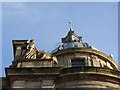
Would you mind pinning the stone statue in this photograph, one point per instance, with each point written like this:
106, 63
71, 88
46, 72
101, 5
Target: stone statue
31, 50
32, 53
45, 55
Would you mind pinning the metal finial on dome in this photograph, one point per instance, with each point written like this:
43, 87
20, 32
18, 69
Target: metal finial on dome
111, 55
70, 22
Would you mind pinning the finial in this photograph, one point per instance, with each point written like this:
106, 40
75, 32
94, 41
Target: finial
70, 22
111, 55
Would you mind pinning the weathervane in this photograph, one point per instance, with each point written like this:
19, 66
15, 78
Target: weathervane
70, 22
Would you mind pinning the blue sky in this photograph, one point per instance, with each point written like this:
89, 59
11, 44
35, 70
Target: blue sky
47, 23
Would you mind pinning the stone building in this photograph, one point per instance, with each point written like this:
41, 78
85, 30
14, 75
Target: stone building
73, 64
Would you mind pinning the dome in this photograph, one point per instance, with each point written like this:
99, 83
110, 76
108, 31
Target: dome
72, 40
71, 45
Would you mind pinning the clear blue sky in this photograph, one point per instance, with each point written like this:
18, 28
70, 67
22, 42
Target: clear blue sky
47, 23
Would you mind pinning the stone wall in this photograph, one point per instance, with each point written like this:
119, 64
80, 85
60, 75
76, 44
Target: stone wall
91, 60
3, 83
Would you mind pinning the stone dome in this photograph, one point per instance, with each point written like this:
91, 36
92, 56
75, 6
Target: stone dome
84, 66
73, 47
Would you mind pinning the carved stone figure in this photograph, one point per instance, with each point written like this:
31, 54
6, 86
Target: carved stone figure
45, 55
31, 50
25, 49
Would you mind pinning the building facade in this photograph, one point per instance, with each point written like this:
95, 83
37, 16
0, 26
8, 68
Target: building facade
73, 64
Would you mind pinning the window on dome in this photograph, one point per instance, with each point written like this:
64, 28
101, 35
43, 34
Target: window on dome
78, 62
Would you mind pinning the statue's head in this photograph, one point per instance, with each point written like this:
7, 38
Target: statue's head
32, 40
